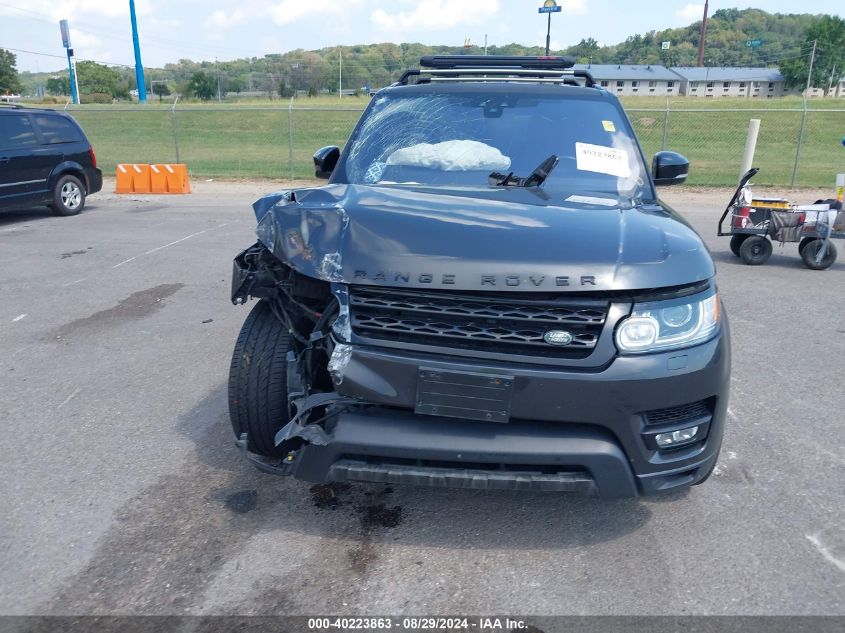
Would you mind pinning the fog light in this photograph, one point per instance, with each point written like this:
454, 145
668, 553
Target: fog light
676, 437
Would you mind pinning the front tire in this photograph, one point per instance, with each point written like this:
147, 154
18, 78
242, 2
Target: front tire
258, 398
68, 196
756, 250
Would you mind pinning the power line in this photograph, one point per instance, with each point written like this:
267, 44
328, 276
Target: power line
62, 57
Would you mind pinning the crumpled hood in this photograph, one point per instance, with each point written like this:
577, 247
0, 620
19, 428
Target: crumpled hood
478, 239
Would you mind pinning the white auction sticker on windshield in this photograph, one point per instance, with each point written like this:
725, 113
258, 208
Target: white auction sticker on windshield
602, 160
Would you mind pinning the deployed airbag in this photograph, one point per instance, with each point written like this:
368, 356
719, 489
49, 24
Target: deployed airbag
458, 155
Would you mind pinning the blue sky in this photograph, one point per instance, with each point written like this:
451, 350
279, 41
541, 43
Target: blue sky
223, 29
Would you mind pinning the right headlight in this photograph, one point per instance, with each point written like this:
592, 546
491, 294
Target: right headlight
664, 325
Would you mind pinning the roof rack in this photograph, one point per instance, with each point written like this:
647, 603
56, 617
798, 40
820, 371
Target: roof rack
452, 68
8, 104
496, 61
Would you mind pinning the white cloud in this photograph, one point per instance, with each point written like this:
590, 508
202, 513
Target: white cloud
435, 14
281, 12
89, 46
691, 13
221, 20
575, 7
288, 11
68, 9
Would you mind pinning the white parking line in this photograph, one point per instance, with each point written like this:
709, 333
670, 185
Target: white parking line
826, 554
69, 398
176, 242
18, 318
73, 283
125, 261
158, 248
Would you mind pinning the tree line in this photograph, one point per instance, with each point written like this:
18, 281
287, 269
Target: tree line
750, 37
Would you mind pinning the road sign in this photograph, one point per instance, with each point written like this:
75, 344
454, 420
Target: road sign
554, 9
666, 46
63, 25
753, 43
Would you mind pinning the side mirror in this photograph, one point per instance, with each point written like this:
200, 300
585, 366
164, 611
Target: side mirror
669, 168
325, 160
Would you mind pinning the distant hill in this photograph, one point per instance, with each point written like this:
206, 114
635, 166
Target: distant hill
376, 65
728, 33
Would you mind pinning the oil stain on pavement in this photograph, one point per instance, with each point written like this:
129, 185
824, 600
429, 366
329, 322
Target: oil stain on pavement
136, 306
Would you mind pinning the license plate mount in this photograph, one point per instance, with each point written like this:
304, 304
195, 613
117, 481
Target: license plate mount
466, 395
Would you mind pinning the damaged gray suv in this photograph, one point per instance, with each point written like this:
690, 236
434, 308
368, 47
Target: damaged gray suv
487, 294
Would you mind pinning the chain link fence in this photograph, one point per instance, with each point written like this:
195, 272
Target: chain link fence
796, 146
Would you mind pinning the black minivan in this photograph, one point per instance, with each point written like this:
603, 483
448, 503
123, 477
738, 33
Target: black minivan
45, 158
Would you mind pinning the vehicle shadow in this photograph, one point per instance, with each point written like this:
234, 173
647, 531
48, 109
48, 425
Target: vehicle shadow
35, 214
495, 518
204, 514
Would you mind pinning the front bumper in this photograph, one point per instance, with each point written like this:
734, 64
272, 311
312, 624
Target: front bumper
578, 431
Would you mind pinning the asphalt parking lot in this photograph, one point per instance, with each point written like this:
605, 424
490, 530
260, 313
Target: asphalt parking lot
122, 491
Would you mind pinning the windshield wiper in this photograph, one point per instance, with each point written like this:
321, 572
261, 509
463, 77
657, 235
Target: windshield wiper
537, 177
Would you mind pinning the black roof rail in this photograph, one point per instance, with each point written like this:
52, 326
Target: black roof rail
497, 61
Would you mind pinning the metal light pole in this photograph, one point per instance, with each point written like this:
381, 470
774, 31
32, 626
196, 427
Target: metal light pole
549, 7
703, 36
71, 67
139, 67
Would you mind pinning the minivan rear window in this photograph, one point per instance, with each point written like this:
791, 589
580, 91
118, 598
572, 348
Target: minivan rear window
57, 129
16, 131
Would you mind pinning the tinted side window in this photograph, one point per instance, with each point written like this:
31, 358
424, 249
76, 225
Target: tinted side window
56, 129
16, 131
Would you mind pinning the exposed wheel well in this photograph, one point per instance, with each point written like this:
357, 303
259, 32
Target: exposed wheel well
71, 171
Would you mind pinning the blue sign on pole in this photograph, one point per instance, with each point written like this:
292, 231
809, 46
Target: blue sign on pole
549, 9
753, 43
65, 29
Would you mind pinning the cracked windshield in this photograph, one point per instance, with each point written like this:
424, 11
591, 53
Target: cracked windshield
477, 138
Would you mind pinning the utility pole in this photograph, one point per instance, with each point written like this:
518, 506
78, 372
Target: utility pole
812, 61
340, 73
703, 34
139, 67
217, 68
485, 44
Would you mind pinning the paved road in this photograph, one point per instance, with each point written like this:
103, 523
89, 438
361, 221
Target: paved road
122, 491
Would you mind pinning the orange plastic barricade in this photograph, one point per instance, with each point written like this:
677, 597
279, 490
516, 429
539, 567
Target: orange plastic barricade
123, 179
158, 178
140, 178
176, 176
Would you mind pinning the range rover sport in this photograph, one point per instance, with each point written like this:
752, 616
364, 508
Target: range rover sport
487, 294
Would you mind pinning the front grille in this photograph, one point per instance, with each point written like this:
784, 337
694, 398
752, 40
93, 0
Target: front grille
675, 415
494, 322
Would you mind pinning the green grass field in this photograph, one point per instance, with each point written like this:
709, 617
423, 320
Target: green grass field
253, 140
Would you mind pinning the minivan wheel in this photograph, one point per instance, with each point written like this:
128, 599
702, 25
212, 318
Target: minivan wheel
810, 254
258, 399
68, 196
736, 242
756, 250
